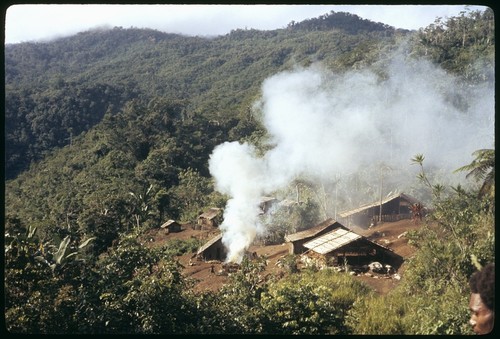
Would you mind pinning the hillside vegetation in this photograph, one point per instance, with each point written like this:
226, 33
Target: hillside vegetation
108, 134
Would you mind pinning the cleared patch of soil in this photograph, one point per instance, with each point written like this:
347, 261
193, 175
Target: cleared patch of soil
391, 235
157, 236
207, 275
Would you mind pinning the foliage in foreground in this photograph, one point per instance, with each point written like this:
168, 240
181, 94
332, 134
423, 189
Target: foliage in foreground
135, 289
312, 303
433, 296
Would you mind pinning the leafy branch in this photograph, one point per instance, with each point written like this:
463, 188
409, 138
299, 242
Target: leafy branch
437, 189
482, 168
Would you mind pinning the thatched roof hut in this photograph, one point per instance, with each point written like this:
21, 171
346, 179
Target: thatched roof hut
171, 226
297, 240
342, 246
210, 218
395, 207
213, 249
266, 203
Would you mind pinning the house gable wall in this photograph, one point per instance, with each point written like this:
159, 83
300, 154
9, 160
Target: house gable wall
216, 251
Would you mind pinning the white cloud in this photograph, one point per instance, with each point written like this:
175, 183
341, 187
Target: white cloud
39, 22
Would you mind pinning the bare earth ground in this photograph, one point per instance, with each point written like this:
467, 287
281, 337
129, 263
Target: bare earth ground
385, 234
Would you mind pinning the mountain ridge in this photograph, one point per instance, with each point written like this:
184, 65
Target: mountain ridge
147, 63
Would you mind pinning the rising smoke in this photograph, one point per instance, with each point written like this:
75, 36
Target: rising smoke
324, 124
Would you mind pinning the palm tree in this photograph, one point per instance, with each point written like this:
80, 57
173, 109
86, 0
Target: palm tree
482, 168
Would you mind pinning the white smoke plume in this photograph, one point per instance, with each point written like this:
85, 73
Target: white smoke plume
323, 123
239, 173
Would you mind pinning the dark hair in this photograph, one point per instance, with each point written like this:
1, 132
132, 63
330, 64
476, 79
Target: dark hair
483, 282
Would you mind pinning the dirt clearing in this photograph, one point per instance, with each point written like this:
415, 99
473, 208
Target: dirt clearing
207, 274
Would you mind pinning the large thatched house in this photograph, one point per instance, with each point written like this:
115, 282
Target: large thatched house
395, 207
342, 246
296, 240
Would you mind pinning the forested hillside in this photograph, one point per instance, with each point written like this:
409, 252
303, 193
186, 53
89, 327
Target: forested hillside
219, 76
109, 133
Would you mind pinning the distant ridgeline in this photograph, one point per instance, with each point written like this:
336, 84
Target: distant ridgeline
58, 89
347, 22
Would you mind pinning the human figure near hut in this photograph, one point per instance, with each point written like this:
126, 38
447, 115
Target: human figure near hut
416, 210
482, 300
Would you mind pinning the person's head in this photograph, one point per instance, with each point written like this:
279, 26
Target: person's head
482, 300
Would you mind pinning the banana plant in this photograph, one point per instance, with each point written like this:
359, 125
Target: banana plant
140, 210
61, 256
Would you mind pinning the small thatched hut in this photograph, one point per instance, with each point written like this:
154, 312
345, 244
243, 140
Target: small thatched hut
210, 219
266, 203
212, 250
171, 226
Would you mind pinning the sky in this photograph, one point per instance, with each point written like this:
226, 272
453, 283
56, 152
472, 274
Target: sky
45, 22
